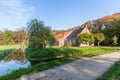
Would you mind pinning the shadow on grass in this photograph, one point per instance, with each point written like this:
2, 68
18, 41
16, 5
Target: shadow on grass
48, 54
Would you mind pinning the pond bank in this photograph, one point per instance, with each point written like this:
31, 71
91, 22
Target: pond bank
7, 67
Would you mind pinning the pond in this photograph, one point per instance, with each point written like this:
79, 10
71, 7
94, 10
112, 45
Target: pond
7, 67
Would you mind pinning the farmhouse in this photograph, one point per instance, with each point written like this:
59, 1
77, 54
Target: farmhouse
71, 36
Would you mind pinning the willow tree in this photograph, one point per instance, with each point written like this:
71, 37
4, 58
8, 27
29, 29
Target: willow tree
39, 34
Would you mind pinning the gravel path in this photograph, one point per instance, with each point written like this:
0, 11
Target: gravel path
83, 69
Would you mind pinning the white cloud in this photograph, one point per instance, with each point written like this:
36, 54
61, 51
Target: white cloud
14, 13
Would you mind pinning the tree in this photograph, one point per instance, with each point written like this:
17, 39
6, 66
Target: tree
85, 37
98, 24
113, 29
114, 39
99, 37
20, 36
8, 36
2, 38
116, 28
39, 34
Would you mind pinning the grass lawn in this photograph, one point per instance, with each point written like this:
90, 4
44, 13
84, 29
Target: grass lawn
5, 50
61, 52
44, 59
113, 73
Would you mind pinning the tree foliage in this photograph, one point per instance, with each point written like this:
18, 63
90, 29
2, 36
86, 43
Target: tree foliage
85, 37
113, 29
114, 39
97, 26
2, 38
20, 36
99, 37
8, 36
39, 34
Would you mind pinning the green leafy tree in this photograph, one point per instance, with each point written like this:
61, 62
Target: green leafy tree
92, 37
2, 38
113, 29
115, 39
8, 36
84, 37
99, 37
20, 36
39, 34
116, 28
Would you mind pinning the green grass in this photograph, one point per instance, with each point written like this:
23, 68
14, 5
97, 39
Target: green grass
113, 73
62, 52
36, 68
44, 59
5, 50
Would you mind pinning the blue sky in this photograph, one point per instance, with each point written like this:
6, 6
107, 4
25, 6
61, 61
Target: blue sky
59, 14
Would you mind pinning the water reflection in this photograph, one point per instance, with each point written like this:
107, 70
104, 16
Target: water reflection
7, 67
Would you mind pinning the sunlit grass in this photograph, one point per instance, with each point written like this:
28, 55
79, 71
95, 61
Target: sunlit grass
4, 48
56, 52
113, 73
69, 54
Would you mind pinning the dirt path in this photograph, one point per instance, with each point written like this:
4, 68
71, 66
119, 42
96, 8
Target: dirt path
83, 69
